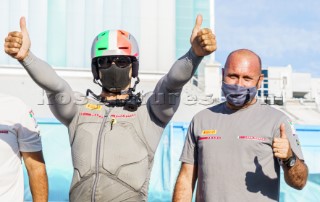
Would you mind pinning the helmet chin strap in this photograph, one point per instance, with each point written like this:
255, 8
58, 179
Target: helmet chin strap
131, 103
134, 86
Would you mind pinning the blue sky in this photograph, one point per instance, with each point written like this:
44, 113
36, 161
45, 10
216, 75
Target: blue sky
282, 32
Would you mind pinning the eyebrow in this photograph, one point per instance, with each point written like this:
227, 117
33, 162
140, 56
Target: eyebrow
248, 77
237, 75
232, 74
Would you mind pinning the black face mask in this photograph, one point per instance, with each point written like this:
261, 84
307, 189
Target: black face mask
114, 78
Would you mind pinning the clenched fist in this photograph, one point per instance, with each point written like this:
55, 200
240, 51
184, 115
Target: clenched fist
17, 44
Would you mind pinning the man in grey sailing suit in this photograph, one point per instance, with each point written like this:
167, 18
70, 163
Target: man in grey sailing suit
113, 137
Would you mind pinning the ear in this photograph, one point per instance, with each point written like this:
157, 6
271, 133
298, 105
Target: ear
260, 81
222, 69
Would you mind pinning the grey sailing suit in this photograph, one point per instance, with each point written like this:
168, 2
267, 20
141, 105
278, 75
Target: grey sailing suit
112, 148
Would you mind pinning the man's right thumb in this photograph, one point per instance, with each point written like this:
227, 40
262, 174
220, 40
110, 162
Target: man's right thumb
23, 26
198, 23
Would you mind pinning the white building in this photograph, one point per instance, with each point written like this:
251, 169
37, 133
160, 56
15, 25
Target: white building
282, 81
279, 81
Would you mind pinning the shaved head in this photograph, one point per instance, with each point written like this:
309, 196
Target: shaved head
243, 67
244, 53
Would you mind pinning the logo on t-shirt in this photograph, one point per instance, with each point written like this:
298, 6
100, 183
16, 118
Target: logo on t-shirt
31, 114
91, 114
292, 127
209, 132
123, 115
93, 106
246, 137
290, 122
4, 131
209, 135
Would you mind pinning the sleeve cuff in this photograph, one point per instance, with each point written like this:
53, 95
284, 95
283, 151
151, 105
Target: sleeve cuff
188, 161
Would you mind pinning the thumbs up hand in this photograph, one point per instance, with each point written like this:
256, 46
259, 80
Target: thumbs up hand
17, 44
281, 146
203, 41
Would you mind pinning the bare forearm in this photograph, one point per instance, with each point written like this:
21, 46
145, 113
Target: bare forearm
38, 182
185, 183
296, 176
182, 191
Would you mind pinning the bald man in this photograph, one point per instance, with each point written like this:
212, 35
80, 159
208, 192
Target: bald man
235, 149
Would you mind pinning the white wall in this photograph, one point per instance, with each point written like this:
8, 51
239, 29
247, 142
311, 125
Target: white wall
315, 89
276, 81
302, 84
157, 39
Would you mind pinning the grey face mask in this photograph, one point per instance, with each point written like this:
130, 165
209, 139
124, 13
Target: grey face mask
237, 95
114, 78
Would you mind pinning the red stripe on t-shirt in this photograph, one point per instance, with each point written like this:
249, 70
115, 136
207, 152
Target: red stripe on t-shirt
209, 138
90, 114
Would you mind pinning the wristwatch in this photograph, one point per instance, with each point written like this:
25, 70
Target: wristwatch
290, 161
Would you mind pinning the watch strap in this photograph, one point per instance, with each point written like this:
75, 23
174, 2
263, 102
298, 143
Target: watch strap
290, 161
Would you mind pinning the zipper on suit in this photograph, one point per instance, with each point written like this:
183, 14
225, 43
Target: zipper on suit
93, 195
